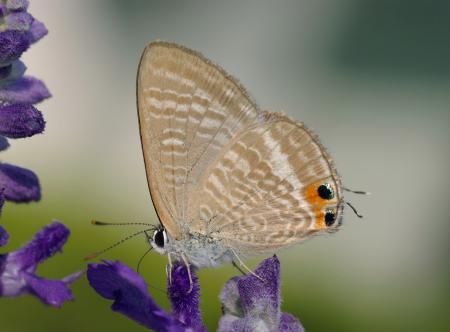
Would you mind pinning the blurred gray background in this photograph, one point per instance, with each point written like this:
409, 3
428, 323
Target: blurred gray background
372, 78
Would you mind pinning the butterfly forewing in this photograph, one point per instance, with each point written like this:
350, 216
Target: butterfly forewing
189, 110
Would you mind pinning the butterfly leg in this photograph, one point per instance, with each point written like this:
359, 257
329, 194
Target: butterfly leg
169, 268
188, 267
238, 267
242, 264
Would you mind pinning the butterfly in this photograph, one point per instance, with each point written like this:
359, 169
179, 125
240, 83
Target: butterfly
227, 179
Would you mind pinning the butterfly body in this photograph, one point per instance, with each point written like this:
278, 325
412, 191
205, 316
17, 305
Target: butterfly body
200, 250
226, 178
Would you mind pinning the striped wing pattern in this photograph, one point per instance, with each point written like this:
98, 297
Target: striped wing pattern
218, 166
189, 110
261, 193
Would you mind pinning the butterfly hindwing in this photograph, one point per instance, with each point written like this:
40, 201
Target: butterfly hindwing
262, 193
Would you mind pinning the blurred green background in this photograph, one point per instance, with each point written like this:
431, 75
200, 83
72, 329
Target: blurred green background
371, 77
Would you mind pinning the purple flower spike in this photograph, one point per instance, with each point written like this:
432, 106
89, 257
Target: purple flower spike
12, 44
116, 281
20, 120
17, 269
251, 304
20, 184
18, 94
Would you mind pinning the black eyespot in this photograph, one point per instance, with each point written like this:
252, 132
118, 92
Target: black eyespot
158, 238
325, 191
330, 218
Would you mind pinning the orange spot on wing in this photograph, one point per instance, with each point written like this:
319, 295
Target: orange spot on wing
312, 196
317, 203
320, 219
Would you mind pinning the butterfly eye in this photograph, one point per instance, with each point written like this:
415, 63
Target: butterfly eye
330, 218
325, 191
159, 237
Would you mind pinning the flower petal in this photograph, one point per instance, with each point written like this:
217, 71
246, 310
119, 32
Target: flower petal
37, 31
252, 304
3, 235
20, 121
185, 301
17, 268
12, 45
229, 296
20, 184
256, 293
17, 4
289, 323
45, 244
51, 292
25, 90
116, 281
229, 323
19, 21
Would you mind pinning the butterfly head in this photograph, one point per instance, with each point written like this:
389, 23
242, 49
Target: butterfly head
159, 240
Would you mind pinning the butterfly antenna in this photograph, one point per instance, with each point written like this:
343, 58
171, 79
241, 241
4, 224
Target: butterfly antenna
98, 253
354, 209
102, 223
359, 192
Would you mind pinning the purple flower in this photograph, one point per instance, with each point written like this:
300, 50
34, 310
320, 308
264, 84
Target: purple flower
37, 31
12, 44
252, 304
249, 303
185, 301
20, 120
17, 269
15, 18
20, 185
24, 90
116, 281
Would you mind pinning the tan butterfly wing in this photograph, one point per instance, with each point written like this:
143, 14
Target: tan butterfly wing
261, 193
189, 109
218, 166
